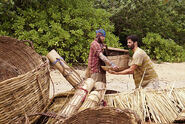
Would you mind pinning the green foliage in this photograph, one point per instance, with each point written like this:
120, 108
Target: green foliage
67, 26
159, 16
110, 5
176, 12
162, 49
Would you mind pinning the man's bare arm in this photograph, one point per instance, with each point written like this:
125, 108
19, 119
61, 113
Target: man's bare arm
126, 71
104, 58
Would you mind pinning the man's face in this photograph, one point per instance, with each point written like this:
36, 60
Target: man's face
130, 44
102, 38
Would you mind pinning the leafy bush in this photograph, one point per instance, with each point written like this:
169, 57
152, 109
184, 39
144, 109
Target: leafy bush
163, 49
67, 26
139, 17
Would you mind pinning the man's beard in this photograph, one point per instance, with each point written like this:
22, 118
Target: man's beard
131, 47
99, 40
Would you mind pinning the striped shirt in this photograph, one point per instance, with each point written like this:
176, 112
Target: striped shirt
94, 62
145, 72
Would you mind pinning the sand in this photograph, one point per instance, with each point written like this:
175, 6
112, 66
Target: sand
172, 74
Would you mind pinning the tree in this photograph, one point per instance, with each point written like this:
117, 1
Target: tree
157, 16
65, 25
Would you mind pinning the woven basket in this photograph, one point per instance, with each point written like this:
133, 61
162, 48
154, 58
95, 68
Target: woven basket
119, 60
104, 115
120, 57
24, 83
16, 58
111, 51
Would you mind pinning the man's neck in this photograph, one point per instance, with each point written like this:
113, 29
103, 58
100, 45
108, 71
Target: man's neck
135, 48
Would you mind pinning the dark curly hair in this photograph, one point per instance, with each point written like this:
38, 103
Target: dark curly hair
134, 38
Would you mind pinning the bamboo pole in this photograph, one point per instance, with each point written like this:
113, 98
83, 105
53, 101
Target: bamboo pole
68, 72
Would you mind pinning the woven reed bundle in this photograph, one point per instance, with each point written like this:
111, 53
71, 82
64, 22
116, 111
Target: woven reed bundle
16, 58
159, 106
76, 101
91, 101
28, 92
58, 102
104, 115
95, 97
68, 72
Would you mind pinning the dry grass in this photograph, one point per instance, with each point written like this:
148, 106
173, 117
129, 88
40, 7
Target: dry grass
160, 106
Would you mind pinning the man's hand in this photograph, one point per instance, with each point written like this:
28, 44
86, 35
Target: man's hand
114, 67
126, 71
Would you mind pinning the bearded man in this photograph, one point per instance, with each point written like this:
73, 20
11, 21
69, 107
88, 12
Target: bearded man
140, 66
97, 58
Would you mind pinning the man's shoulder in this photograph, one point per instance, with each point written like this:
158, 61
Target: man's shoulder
140, 51
94, 42
95, 45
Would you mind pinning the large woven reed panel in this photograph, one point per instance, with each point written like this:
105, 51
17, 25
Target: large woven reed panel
104, 115
25, 91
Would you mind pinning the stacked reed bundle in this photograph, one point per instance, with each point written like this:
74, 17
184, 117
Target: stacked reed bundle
159, 106
28, 91
91, 101
68, 72
95, 97
58, 102
76, 101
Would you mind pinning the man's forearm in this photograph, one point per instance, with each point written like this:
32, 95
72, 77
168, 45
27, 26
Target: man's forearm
104, 58
126, 71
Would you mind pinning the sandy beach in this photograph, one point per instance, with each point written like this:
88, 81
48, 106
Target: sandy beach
172, 74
